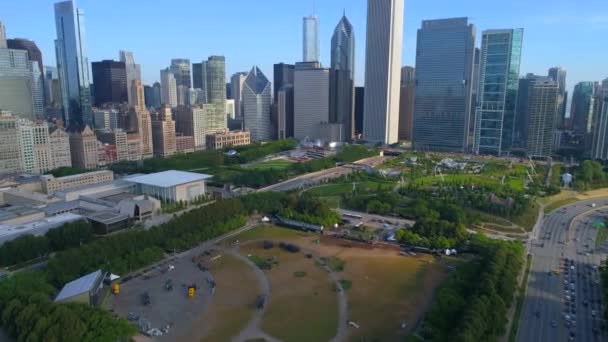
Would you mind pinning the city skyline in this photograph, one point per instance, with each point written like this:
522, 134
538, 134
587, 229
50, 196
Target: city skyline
568, 23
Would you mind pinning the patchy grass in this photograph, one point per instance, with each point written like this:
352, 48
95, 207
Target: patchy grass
299, 274
520, 301
335, 264
602, 236
267, 231
514, 183
332, 190
346, 284
555, 205
233, 303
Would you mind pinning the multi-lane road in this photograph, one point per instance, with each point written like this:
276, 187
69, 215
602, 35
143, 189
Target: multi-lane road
563, 298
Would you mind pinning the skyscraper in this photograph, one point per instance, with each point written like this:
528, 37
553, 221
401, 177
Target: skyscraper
535, 122
168, 93
581, 111
143, 119
216, 88
282, 75
59, 142
284, 108
199, 79
34, 55
2, 36
359, 109
10, 161
311, 99
342, 84
382, 70
310, 41
256, 105
72, 63
151, 97
133, 72
445, 52
236, 83
180, 67
498, 84
406, 103
163, 133
599, 146
110, 82
83, 148
193, 121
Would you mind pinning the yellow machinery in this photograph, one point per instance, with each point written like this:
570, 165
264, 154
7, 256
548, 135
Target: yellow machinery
191, 290
116, 288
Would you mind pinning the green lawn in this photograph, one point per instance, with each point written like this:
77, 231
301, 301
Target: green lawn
267, 232
278, 164
602, 236
519, 302
527, 220
515, 183
332, 190
549, 208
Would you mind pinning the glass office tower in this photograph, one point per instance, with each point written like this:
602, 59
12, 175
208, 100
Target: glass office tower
497, 94
73, 64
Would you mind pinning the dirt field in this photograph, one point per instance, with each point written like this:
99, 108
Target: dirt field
231, 306
303, 302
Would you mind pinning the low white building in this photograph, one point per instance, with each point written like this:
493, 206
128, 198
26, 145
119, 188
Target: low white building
171, 186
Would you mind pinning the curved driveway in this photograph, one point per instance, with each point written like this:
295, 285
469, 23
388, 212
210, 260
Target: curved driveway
566, 233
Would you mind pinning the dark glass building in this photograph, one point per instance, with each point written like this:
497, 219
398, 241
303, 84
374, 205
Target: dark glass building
282, 76
110, 80
359, 107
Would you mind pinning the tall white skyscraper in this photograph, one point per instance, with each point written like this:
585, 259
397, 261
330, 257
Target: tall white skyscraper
383, 70
256, 105
168, 88
236, 82
310, 39
72, 63
133, 73
2, 36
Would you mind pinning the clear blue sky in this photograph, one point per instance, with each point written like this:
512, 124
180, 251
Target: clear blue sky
572, 34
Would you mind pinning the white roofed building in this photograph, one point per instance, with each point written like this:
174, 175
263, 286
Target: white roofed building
171, 186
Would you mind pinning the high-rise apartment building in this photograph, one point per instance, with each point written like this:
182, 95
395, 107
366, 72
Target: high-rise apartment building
311, 99
581, 111
382, 70
72, 63
133, 72
236, 83
42, 149
163, 133
168, 95
310, 39
199, 79
282, 76
342, 78
21, 90
117, 138
257, 101
195, 121
59, 142
83, 148
34, 55
142, 119
216, 89
406, 103
152, 95
134, 146
25, 133
599, 146
2, 36
180, 67
444, 70
497, 95
106, 118
110, 82
536, 120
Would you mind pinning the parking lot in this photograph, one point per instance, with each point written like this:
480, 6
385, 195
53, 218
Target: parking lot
157, 300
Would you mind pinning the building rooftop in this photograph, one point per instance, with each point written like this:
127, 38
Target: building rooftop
79, 286
107, 217
36, 227
168, 179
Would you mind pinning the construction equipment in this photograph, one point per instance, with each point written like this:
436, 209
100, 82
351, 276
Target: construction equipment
191, 290
116, 288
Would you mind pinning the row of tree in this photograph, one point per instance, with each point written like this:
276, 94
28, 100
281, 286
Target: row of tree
29, 314
604, 283
29, 247
590, 174
472, 304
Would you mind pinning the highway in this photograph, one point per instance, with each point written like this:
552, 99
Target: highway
564, 258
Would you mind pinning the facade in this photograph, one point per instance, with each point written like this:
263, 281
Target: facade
220, 140
105, 118
171, 186
117, 138
310, 39
406, 103
83, 148
85, 290
230, 109
110, 82
282, 76
444, 70
311, 99
163, 133
134, 146
216, 89
257, 92
34, 55
72, 63
599, 146
133, 72
51, 184
284, 108
497, 95
10, 161
183, 95
25, 136
342, 78
199, 79
382, 70
59, 141
2, 36
184, 144
236, 83
43, 155
168, 95
581, 111
196, 97
180, 67
195, 122
537, 114
21, 90
359, 108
